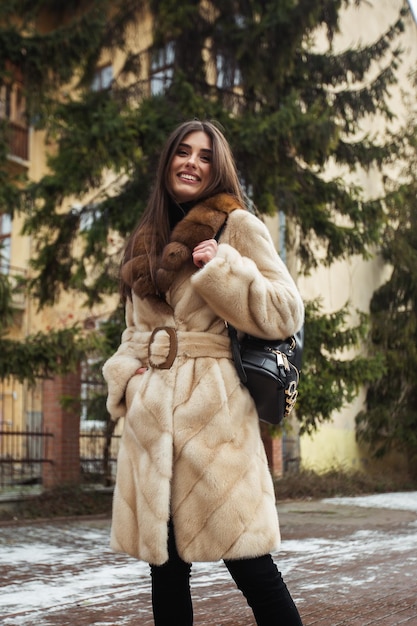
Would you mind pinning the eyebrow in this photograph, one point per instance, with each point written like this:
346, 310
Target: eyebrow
186, 145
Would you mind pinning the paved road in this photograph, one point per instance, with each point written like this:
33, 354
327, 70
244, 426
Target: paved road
346, 562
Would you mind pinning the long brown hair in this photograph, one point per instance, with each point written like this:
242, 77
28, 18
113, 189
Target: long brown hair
155, 219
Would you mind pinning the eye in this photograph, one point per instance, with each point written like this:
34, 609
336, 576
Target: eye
182, 152
206, 158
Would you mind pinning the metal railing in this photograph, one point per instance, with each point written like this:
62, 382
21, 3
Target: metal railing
26, 444
22, 454
99, 447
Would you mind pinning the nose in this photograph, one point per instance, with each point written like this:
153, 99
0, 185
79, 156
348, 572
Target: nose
192, 158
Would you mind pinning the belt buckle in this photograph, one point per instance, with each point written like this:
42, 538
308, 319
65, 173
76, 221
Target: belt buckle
173, 348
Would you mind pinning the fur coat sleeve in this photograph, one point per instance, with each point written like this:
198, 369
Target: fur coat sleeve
247, 283
120, 368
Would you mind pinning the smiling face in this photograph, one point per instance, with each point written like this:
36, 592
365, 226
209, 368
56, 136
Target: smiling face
190, 169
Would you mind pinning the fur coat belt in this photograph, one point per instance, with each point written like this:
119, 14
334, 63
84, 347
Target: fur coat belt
202, 222
160, 347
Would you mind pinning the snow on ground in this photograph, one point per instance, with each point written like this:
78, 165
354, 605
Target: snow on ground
43, 566
404, 501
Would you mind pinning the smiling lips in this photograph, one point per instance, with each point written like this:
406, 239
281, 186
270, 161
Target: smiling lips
190, 177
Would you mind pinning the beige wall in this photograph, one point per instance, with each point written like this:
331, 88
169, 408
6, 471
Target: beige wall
355, 280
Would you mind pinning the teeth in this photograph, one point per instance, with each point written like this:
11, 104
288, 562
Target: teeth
189, 177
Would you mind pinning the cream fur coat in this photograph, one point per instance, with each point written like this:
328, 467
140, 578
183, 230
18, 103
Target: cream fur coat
191, 446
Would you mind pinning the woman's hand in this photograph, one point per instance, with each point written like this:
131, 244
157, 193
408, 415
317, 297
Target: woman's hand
204, 252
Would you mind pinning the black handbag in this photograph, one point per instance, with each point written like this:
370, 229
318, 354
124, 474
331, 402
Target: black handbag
270, 369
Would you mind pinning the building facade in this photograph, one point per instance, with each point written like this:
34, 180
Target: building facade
353, 280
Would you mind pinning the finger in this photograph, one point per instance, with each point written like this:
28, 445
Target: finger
198, 261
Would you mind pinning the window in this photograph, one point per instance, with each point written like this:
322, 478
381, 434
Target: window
5, 242
89, 214
12, 103
162, 69
5, 102
103, 78
228, 75
13, 109
93, 388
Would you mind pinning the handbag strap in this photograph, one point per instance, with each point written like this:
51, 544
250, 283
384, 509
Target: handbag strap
221, 229
237, 358
232, 330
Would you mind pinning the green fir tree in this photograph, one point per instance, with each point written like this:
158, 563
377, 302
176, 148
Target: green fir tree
390, 419
286, 109
45, 44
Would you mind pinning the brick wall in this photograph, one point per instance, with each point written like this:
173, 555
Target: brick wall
61, 417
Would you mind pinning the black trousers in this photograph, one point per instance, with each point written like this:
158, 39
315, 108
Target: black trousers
257, 578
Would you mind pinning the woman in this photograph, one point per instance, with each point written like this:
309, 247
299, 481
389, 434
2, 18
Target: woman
192, 477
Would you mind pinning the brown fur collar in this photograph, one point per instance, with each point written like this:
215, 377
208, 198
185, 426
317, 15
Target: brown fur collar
202, 222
